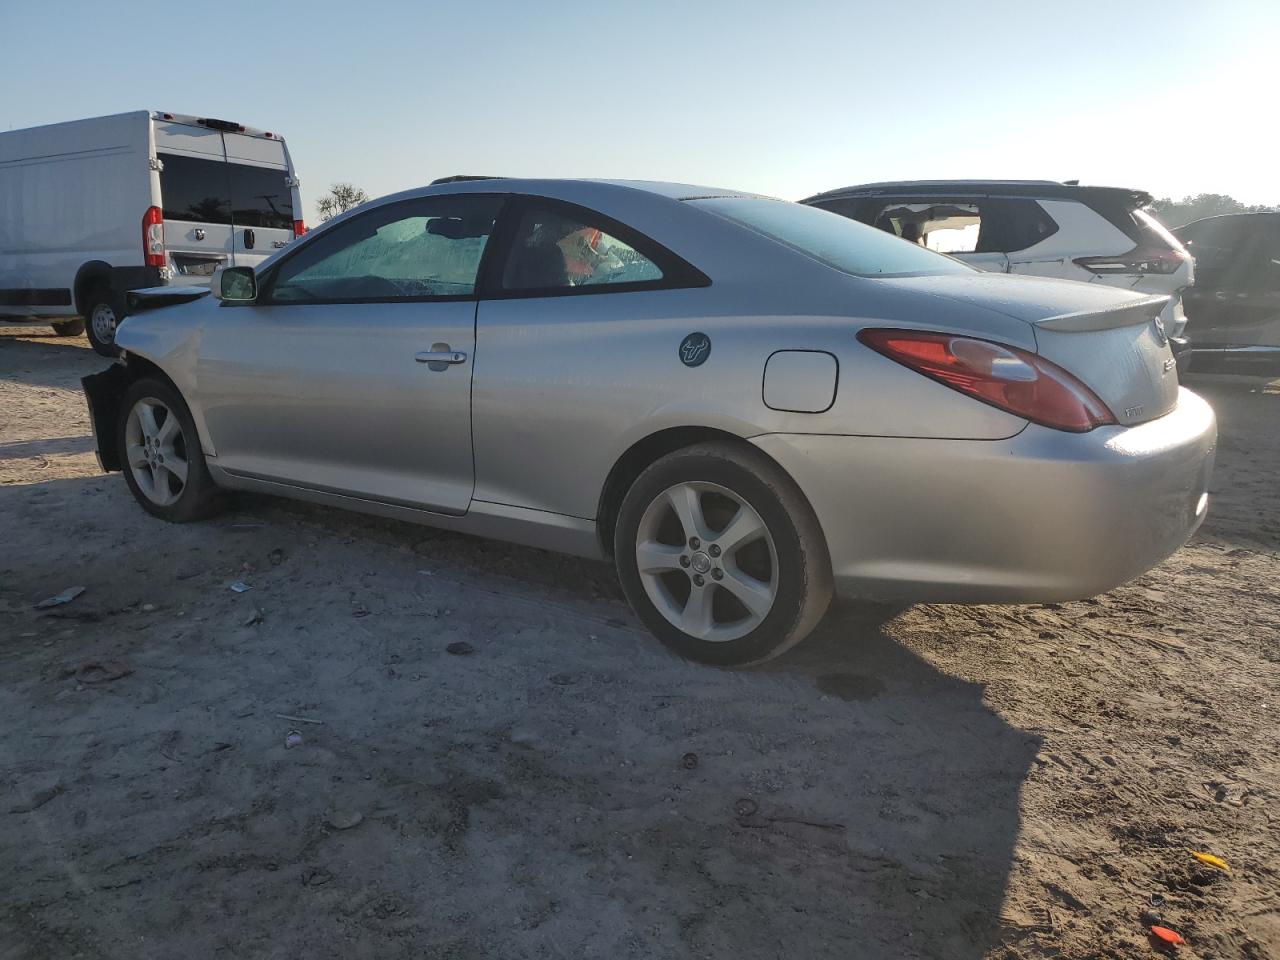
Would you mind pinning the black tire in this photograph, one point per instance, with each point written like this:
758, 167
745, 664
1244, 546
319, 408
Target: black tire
801, 577
68, 328
104, 308
195, 498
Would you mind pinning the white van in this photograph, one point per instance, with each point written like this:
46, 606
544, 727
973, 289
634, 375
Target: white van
93, 208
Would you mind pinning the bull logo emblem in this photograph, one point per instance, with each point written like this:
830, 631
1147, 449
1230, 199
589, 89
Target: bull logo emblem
694, 349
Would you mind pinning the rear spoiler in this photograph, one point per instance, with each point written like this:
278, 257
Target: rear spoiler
1129, 314
149, 298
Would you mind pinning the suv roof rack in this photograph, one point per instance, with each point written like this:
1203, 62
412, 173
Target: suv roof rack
463, 177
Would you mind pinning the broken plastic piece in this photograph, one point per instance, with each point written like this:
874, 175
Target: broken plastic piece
1165, 935
1209, 860
58, 599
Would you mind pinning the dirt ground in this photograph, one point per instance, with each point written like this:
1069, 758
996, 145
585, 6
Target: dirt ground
940, 782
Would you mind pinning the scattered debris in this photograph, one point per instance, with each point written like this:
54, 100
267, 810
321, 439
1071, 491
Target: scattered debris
746, 807
343, 819
427, 573
292, 739
98, 671
240, 587
563, 679
253, 619
1209, 860
285, 716
1167, 936
37, 799
148, 608
169, 748
615, 622
276, 557
689, 761
58, 599
460, 648
315, 877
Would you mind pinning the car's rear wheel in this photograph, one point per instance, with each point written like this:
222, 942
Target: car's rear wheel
161, 455
103, 311
69, 328
721, 556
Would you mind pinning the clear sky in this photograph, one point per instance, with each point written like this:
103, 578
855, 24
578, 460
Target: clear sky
784, 97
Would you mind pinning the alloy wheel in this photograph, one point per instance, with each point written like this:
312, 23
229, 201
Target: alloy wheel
156, 450
707, 561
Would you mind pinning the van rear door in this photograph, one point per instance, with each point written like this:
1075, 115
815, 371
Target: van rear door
195, 198
262, 212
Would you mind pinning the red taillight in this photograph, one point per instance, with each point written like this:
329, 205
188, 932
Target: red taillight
1139, 260
153, 237
299, 228
1005, 377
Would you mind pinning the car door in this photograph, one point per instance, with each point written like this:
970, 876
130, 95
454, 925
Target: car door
351, 372
1236, 298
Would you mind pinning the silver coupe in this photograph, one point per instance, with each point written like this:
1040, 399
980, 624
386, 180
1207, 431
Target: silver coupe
747, 404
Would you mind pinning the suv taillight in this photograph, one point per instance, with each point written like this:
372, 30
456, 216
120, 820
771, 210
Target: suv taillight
1005, 377
153, 237
299, 228
1139, 260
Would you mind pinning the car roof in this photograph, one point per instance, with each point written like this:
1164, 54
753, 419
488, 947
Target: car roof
1046, 189
673, 191
1244, 214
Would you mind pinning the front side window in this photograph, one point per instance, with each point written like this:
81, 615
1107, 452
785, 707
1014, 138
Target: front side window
837, 241
556, 250
425, 248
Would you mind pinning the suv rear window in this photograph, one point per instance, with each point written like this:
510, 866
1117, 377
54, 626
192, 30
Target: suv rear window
837, 241
214, 191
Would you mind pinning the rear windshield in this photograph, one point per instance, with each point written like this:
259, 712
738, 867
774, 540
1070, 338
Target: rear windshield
832, 239
214, 191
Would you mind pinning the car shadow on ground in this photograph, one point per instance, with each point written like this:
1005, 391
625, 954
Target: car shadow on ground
566, 786
29, 356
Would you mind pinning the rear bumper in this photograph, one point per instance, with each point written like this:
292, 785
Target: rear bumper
1043, 516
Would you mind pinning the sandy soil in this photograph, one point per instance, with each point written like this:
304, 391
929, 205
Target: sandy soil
940, 782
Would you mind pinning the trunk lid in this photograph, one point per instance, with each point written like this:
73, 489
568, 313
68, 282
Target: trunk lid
1111, 340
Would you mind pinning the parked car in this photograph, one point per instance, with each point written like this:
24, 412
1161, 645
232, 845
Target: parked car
1034, 227
746, 403
91, 209
1234, 308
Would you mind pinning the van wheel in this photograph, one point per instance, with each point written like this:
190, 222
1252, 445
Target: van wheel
104, 309
69, 328
161, 455
721, 556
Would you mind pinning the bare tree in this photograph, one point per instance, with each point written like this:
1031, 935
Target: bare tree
340, 198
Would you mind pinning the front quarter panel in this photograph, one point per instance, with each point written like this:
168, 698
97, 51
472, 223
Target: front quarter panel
169, 337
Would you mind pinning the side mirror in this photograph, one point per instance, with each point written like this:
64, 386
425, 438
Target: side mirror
237, 285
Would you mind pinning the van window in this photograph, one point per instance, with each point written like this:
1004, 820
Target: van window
213, 191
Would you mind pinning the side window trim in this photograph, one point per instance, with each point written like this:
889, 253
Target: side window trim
267, 282
677, 273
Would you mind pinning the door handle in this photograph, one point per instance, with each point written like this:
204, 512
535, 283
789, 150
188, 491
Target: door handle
441, 356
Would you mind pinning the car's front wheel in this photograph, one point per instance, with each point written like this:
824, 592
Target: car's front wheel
721, 556
161, 455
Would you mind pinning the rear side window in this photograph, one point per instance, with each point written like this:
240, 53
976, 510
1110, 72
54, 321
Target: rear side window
974, 225
555, 250
837, 241
202, 190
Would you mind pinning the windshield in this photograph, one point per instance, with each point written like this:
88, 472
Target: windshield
834, 240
